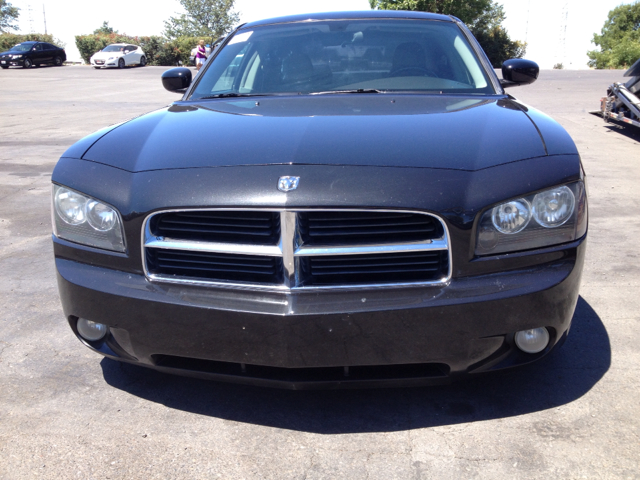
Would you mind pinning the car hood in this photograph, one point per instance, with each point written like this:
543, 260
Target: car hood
11, 52
107, 55
444, 132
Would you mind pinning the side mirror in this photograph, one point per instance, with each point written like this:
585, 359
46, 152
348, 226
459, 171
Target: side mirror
518, 71
176, 79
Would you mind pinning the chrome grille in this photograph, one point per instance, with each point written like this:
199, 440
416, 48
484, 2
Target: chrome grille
296, 249
383, 268
215, 266
250, 227
331, 228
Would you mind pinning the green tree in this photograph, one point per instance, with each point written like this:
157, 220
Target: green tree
483, 17
204, 18
619, 39
105, 29
8, 15
466, 10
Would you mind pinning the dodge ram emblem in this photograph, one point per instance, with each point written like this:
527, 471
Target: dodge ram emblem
286, 184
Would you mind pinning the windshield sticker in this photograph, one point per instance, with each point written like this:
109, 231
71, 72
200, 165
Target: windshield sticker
243, 37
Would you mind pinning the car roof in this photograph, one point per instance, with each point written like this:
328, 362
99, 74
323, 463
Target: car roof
357, 15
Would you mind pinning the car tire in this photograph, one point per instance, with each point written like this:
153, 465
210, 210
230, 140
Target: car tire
97, 68
4, 67
143, 61
121, 63
27, 63
57, 61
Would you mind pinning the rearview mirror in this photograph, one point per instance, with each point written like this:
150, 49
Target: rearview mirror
518, 71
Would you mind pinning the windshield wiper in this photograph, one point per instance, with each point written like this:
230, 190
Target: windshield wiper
231, 94
359, 90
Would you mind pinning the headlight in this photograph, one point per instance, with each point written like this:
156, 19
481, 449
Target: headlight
511, 217
84, 220
553, 216
553, 208
17, 56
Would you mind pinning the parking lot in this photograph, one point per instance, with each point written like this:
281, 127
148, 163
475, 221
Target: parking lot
66, 412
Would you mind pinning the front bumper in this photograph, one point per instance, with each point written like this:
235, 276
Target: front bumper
104, 63
375, 337
5, 62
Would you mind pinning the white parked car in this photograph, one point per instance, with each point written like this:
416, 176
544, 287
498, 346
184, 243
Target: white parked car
119, 55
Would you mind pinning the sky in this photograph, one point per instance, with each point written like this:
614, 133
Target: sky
556, 31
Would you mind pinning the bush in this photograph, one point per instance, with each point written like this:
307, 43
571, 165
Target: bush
8, 40
90, 44
158, 50
181, 48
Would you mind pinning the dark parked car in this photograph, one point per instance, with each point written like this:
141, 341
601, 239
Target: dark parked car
337, 199
28, 54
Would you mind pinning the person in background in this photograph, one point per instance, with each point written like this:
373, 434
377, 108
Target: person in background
201, 55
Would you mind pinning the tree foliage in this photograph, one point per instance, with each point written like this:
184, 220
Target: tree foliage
483, 17
105, 29
208, 19
619, 39
8, 40
8, 15
466, 10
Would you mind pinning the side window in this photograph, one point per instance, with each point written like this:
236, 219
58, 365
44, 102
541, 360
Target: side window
38, 47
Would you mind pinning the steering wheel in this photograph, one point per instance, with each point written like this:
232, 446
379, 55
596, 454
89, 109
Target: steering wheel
414, 71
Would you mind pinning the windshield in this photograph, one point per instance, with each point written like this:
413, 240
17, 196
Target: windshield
113, 48
360, 56
22, 47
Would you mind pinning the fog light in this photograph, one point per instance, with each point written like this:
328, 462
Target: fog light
532, 341
91, 331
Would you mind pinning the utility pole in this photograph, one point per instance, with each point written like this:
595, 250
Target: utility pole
30, 10
45, 19
526, 30
561, 52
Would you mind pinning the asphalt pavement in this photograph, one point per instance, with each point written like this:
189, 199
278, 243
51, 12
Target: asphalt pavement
67, 413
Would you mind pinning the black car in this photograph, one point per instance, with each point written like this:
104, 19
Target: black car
28, 54
337, 199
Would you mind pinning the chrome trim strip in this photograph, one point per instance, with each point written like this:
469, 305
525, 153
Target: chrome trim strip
265, 287
288, 229
290, 249
234, 248
439, 244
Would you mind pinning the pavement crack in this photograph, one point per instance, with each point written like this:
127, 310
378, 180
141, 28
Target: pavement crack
3, 347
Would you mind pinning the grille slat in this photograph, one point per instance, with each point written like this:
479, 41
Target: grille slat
241, 227
332, 228
316, 232
222, 267
365, 269
341, 237
215, 231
